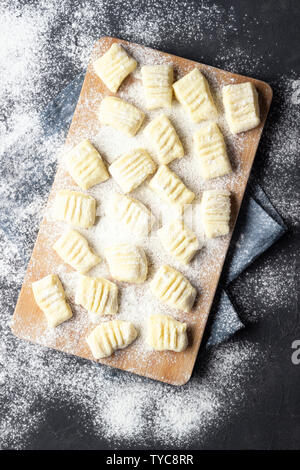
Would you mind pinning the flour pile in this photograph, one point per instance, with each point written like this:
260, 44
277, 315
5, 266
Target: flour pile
118, 407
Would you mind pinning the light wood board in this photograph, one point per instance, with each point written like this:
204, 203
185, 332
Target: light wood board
28, 320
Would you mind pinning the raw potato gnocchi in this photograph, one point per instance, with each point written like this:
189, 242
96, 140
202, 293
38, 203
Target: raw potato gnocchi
97, 295
120, 115
114, 66
74, 207
74, 250
193, 92
173, 289
51, 299
164, 139
169, 187
241, 107
215, 211
157, 82
132, 169
179, 241
127, 263
165, 333
131, 212
109, 336
211, 151
85, 165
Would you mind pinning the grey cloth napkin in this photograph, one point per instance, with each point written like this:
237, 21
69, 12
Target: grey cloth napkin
258, 225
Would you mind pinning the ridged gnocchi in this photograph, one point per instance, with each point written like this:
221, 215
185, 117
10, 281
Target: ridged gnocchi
127, 263
114, 66
215, 211
179, 241
173, 289
131, 212
85, 165
241, 106
157, 83
193, 92
164, 139
75, 208
211, 151
165, 333
109, 336
74, 250
169, 187
132, 169
97, 295
120, 115
51, 299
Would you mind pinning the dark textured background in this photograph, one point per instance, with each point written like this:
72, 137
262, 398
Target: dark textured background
269, 31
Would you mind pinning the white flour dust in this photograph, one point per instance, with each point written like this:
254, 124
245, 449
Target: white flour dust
34, 68
119, 408
273, 284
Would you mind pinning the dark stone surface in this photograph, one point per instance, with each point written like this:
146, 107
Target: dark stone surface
270, 417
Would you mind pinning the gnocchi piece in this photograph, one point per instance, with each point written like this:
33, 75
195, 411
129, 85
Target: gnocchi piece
120, 115
179, 241
211, 151
114, 66
85, 165
97, 295
241, 106
164, 139
169, 187
215, 211
51, 299
132, 169
109, 336
157, 82
165, 333
193, 92
74, 207
173, 289
74, 250
127, 263
131, 212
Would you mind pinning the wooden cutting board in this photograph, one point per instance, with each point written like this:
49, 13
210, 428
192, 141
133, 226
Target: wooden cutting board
29, 322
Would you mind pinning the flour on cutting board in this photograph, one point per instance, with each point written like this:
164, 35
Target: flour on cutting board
137, 301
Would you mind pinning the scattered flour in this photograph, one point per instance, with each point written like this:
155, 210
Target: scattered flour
123, 409
274, 284
34, 68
